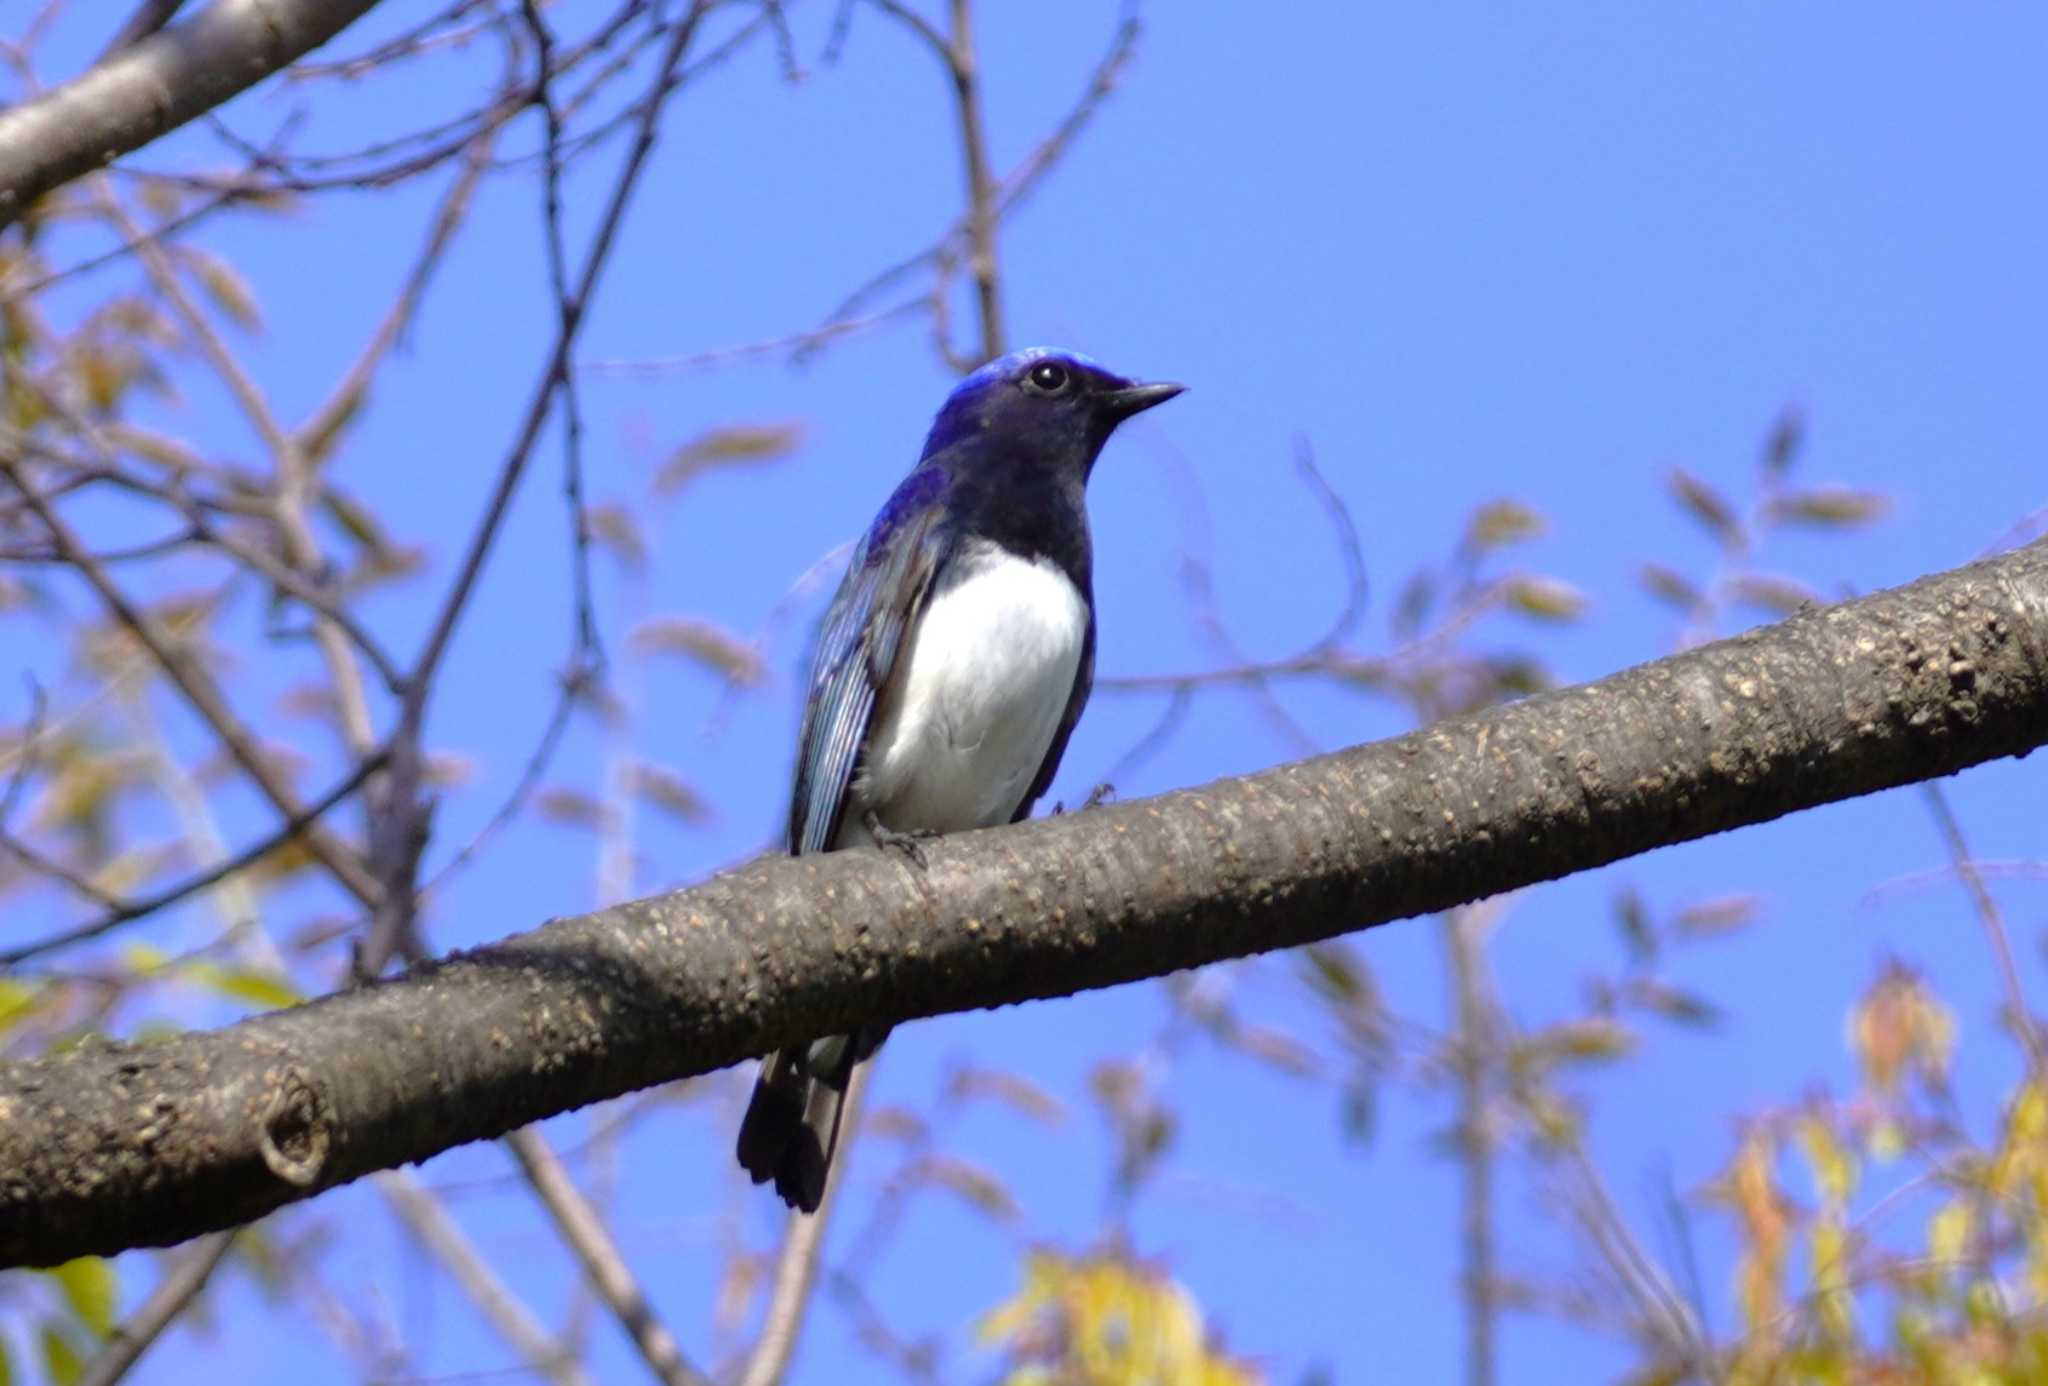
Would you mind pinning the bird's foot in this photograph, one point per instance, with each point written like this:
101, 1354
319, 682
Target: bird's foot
910, 844
1097, 797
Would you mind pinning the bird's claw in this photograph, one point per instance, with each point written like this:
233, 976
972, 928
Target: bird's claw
910, 844
1097, 797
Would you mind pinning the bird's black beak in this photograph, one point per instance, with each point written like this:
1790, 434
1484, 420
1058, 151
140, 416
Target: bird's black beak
1136, 399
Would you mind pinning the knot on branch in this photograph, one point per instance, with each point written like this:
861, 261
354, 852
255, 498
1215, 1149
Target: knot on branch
296, 1130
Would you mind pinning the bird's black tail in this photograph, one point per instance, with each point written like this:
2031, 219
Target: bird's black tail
792, 1124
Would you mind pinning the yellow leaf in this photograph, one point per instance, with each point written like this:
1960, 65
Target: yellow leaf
261, 989
1502, 522
1834, 1167
91, 1289
60, 1359
1545, 598
17, 1002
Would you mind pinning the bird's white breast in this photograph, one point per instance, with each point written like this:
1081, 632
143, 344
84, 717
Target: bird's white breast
976, 696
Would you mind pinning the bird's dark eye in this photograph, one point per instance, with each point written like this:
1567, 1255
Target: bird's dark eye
1049, 377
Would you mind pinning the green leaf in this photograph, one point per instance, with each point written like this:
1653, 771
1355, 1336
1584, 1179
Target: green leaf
91, 1289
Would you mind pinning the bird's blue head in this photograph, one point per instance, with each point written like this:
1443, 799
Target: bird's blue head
1055, 405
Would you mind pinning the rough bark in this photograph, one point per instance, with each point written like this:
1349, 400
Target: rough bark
111, 1146
138, 92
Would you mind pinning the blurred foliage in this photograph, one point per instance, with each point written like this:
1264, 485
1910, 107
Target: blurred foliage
1104, 1320
1886, 1236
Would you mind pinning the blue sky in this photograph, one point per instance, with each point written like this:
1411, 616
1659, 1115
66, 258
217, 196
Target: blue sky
1466, 251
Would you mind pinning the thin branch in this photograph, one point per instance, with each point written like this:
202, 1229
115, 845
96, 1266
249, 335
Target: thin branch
201, 692
181, 1284
149, 16
348, 393
558, 367
981, 188
441, 1235
110, 1146
796, 1268
1995, 932
599, 1256
135, 95
120, 912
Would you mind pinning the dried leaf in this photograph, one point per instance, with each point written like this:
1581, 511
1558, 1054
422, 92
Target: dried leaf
707, 644
1781, 596
1588, 1038
1545, 598
1831, 506
172, 454
569, 806
1412, 606
1669, 586
1018, 1094
668, 791
1632, 917
614, 527
1502, 522
1722, 915
731, 445
319, 444
1706, 505
981, 1189
1280, 1050
1673, 1004
1787, 437
224, 285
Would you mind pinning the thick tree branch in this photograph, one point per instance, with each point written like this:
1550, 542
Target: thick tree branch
107, 1146
155, 85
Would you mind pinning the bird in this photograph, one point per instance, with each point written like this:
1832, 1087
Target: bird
947, 675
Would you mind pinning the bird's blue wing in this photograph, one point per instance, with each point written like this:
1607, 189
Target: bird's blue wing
885, 586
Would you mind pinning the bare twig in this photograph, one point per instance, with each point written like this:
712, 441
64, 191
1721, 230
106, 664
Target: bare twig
149, 16
192, 679
147, 88
1478, 1276
1995, 932
558, 366
797, 1266
440, 1234
125, 1346
348, 393
599, 1255
120, 912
